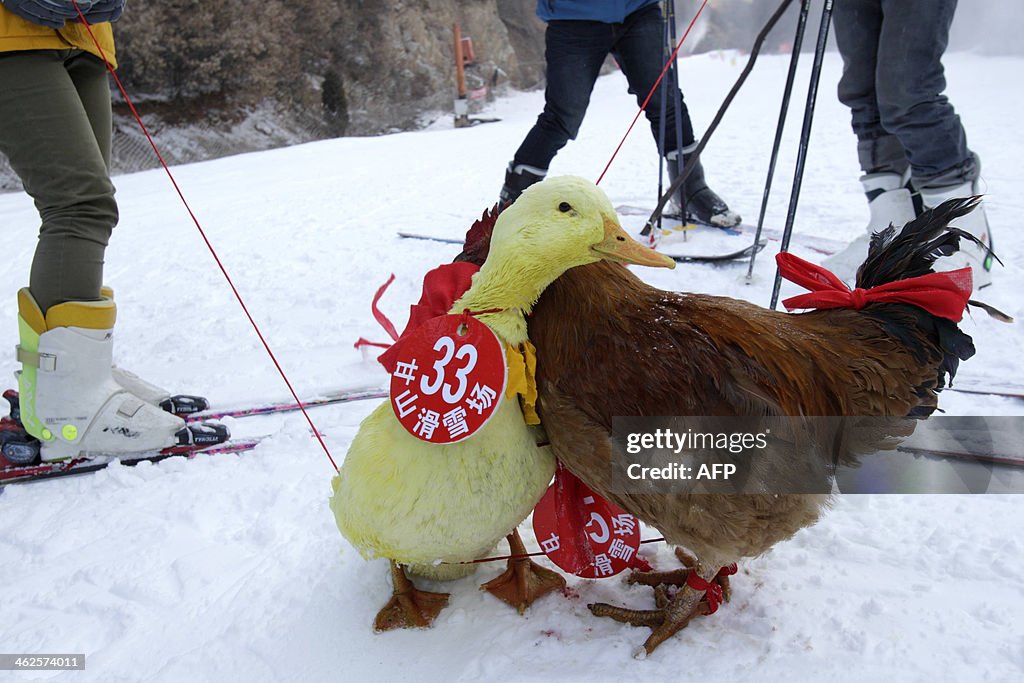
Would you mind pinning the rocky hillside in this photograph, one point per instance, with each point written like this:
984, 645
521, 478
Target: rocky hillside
360, 67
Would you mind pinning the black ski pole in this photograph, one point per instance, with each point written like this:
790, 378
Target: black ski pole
695, 155
798, 41
677, 104
663, 106
805, 135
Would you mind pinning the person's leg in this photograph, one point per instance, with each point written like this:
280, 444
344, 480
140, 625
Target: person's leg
55, 127
913, 107
48, 136
89, 74
885, 178
858, 27
910, 82
893, 81
574, 52
639, 50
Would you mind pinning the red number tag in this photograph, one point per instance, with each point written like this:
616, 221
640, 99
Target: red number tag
583, 533
449, 379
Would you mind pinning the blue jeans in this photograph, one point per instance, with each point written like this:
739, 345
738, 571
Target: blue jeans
893, 81
574, 52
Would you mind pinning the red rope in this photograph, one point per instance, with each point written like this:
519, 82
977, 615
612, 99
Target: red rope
536, 553
643, 107
466, 313
202, 232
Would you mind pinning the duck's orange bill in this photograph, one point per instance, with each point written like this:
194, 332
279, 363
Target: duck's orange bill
618, 246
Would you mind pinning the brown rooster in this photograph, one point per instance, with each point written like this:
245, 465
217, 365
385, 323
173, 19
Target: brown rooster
610, 345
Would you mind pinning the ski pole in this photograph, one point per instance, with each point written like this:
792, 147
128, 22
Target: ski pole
695, 155
798, 40
677, 103
805, 135
666, 54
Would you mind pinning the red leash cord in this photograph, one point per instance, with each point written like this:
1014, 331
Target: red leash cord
643, 107
536, 553
202, 233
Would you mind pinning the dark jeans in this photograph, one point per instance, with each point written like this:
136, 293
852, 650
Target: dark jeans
55, 128
575, 51
893, 81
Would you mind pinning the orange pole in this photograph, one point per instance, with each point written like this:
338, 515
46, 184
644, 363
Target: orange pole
460, 74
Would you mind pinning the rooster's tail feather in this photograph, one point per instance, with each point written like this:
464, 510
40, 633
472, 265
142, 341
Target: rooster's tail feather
901, 253
897, 254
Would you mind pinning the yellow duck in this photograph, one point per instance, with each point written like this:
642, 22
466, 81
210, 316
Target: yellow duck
429, 507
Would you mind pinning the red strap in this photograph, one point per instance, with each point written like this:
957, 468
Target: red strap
728, 570
569, 508
640, 564
942, 294
381, 319
712, 591
442, 287
362, 341
388, 326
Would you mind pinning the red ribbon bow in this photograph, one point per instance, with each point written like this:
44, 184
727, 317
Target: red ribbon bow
941, 294
441, 288
712, 591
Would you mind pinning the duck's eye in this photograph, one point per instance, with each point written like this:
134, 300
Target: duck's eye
564, 207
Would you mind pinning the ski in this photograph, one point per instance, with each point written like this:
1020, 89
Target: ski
250, 410
1007, 458
20, 474
16, 442
432, 238
983, 389
325, 399
681, 258
821, 245
743, 253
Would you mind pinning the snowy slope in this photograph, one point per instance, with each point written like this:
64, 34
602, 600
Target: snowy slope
230, 567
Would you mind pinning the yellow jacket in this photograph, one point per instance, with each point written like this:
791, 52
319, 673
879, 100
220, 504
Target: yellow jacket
21, 34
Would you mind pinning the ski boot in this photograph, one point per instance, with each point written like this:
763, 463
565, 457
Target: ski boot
518, 177
699, 201
890, 201
69, 398
179, 404
978, 257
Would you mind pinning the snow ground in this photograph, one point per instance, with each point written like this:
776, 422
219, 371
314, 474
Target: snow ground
230, 567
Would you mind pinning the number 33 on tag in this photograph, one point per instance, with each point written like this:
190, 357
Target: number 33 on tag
449, 379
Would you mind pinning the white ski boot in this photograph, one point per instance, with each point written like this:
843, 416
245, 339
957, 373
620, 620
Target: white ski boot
69, 397
978, 257
180, 404
889, 201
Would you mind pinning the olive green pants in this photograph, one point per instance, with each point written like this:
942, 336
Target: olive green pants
55, 129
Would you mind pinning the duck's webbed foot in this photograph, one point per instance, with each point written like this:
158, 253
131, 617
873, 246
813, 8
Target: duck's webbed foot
524, 580
409, 607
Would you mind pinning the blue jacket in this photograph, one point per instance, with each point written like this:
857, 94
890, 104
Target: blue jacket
607, 11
